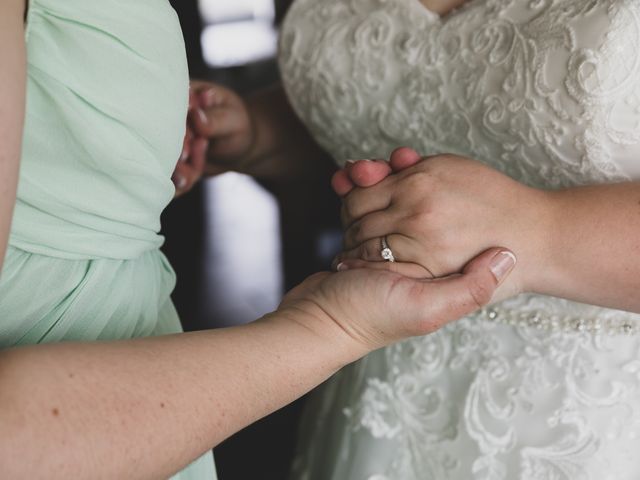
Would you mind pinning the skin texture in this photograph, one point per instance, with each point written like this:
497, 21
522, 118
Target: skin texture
442, 7
437, 211
12, 105
146, 408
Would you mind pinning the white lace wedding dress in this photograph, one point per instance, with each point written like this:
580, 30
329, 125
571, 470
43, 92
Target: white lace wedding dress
547, 91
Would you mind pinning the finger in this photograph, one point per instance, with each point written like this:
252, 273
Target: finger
209, 97
198, 158
186, 145
403, 158
188, 173
371, 226
341, 183
179, 181
364, 201
193, 98
411, 270
447, 300
366, 173
371, 250
217, 122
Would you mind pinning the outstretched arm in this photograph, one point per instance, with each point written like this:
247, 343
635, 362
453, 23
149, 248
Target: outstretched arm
146, 408
12, 105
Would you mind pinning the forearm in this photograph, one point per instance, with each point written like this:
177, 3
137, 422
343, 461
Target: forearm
591, 249
12, 100
147, 408
283, 148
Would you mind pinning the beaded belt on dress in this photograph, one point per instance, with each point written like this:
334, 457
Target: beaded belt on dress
560, 323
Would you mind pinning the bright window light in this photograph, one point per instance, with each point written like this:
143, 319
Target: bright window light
238, 32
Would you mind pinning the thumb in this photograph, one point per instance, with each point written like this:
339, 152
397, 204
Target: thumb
367, 173
403, 158
445, 300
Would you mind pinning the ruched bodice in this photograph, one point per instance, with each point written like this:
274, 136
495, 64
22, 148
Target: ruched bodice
107, 100
106, 106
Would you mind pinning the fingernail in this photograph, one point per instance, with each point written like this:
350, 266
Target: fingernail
502, 265
208, 97
180, 182
203, 116
184, 155
342, 267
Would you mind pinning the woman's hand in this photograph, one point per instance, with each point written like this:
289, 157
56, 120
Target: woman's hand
224, 119
438, 213
220, 134
375, 307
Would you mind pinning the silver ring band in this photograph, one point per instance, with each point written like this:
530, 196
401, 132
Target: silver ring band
386, 251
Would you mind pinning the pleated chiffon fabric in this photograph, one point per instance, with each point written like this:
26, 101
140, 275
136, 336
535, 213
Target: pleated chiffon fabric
107, 95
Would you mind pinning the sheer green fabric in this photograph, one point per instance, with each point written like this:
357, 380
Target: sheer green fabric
106, 106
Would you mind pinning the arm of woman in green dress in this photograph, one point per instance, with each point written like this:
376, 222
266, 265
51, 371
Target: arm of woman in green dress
147, 408
12, 105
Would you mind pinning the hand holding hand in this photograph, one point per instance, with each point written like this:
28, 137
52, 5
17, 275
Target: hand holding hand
375, 308
439, 212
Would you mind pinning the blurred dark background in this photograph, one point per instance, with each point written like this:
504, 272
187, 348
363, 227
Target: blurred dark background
237, 245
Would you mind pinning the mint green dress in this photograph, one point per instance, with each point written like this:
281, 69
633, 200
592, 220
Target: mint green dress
106, 106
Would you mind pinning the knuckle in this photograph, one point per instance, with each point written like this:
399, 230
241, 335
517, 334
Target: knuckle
349, 206
480, 292
344, 215
421, 221
352, 236
418, 180
363, 228
370, 251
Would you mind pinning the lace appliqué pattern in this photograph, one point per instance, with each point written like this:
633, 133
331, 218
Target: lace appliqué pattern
548, 92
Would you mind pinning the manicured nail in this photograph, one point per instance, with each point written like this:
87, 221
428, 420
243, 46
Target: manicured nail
203, 116
502, 265
342, 267
180, 182
207, 97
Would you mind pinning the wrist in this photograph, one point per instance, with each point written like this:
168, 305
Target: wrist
320, 331
540, 261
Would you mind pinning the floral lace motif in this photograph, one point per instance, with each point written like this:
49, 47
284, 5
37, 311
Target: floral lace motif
548, 92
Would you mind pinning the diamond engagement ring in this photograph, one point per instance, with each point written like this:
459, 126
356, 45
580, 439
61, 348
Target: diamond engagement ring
386, 252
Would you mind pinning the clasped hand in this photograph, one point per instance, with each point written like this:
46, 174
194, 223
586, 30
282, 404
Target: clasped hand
438, 213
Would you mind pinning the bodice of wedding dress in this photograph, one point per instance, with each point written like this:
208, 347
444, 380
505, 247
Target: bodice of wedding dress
548, 92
